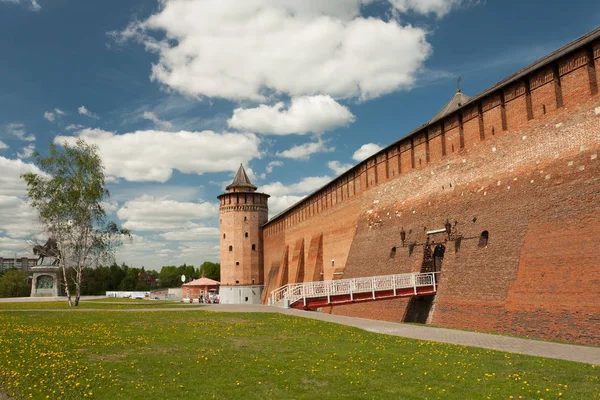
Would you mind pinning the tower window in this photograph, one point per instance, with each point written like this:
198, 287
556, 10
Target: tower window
246, 234
254, 247
245, 218
483, 239
237, 263
237, 282
393, 252
224, 236
230, 248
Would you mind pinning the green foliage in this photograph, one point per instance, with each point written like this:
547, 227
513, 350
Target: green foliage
68, 196
210, 270
13, 283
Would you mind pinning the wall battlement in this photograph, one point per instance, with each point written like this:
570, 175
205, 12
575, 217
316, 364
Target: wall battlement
519, 162
553, 84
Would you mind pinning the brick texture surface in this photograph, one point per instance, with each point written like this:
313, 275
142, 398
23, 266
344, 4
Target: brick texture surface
532, 183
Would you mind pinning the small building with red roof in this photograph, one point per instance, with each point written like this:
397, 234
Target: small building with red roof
201, 286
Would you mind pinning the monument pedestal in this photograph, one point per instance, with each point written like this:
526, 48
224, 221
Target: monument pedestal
45, 281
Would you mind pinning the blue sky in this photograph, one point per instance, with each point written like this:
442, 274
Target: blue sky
177, 93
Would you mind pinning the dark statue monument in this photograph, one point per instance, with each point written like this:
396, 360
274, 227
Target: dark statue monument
50, 249
46, 278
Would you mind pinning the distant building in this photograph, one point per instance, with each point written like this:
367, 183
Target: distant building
23, 263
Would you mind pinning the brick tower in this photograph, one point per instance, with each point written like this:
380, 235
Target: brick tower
242, 213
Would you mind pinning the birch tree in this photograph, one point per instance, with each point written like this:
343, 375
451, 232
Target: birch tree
69, 198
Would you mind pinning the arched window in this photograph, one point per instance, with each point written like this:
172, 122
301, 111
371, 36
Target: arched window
393, 252
246, 234
245, 218
254, 247
224, 236
483, 239
230, 248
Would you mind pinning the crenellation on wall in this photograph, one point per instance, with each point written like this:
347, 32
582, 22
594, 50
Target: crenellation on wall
534, 95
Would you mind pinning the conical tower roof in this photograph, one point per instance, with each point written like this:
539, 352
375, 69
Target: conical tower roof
241, 182
457, 101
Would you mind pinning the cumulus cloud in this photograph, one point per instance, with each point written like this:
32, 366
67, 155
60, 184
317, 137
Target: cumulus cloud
279, 203
152, 117
250, 49
306, 185
18, 131
305, 114
304, 151
338, 168
272, 165
27, 151
3, 145
33, 5
51, 115
148, 213
84, 111
437, 7
17, 219
192, 233
11, 183
153, 155
366, 151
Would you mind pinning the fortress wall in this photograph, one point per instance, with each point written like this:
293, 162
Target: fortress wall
519, 161
537, 197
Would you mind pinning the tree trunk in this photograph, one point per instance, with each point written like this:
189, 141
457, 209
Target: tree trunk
66, 283
78, 287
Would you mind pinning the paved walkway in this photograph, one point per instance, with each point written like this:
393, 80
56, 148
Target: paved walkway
583, 354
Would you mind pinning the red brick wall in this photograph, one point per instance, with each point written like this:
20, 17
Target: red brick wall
532, 185
515, 97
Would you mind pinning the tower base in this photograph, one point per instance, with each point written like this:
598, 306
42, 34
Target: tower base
241, 294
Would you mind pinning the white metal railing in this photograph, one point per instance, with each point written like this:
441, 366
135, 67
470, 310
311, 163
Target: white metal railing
291, 293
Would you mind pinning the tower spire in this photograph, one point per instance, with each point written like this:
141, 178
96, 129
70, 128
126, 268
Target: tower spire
241, 182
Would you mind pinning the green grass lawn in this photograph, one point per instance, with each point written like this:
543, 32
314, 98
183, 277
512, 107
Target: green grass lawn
201, 354
109, 303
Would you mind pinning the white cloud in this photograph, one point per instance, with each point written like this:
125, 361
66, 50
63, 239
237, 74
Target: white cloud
306, 185
51, 115
304, 151
153, 155
279, 203
284, 196
27, 151
33, 4
11, 183
272, 165
17, 219
305, 114
84, 111
253, 48
338, 168
3, 145
152, 117
74, 127
366, 151
9, 247
18, 130
192, 233
148, 213
437, 7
